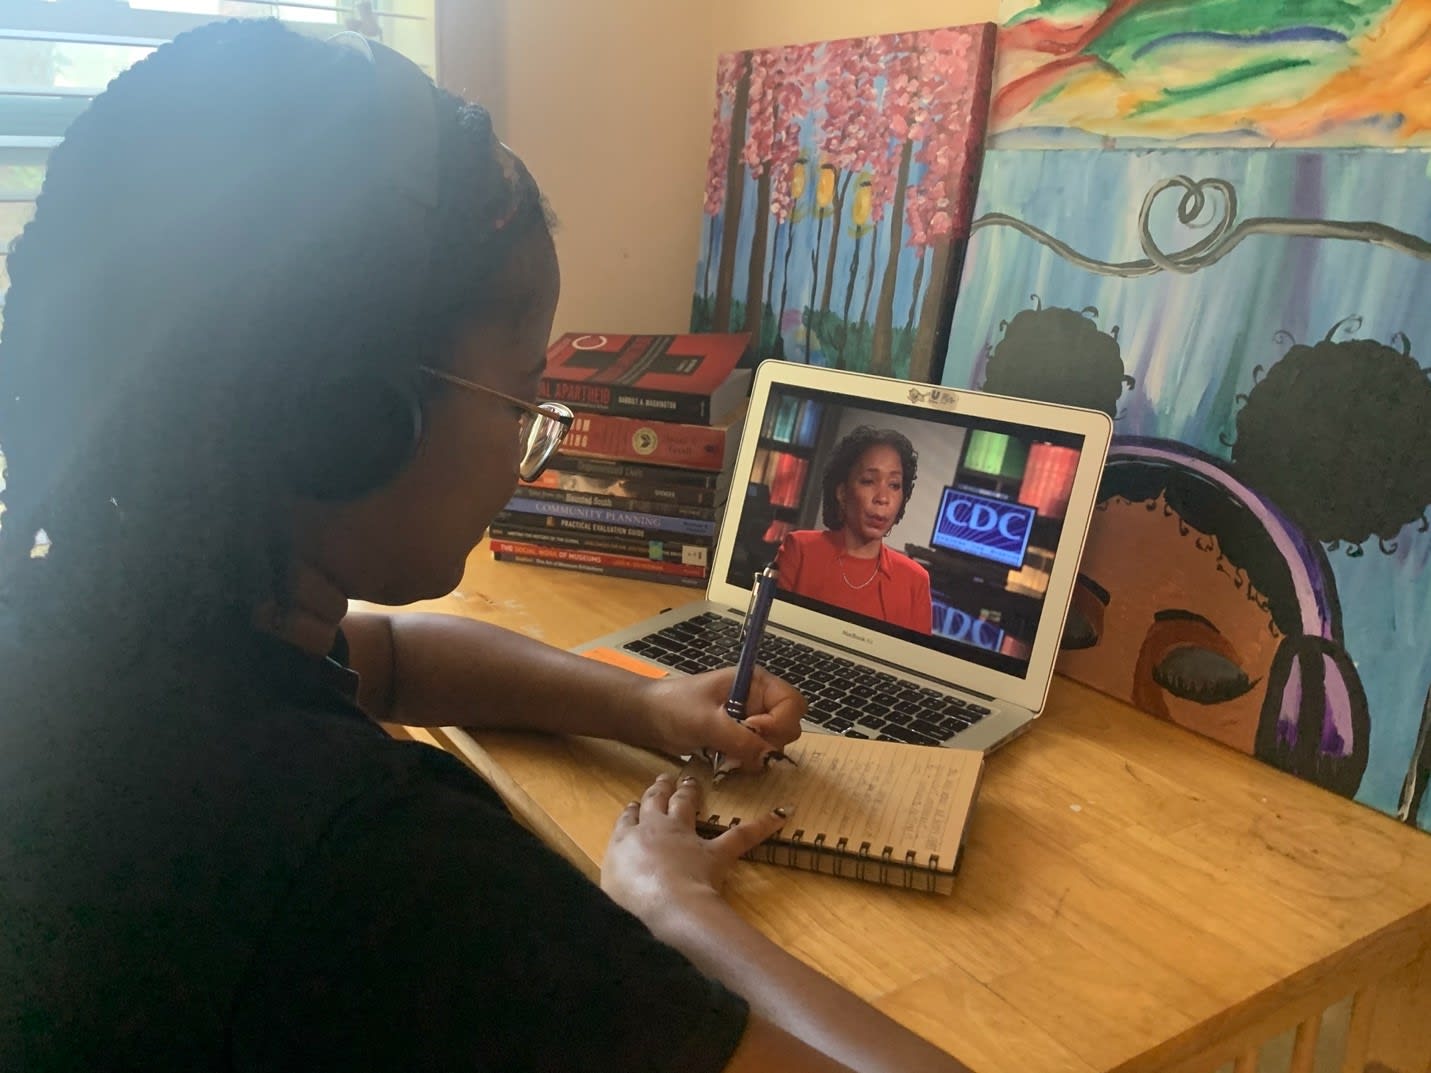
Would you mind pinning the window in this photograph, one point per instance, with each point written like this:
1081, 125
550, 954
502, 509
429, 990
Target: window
57, 54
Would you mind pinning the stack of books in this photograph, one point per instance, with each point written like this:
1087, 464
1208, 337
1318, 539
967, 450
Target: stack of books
639, 485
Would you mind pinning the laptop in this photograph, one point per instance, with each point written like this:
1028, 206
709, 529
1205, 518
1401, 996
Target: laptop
996, 519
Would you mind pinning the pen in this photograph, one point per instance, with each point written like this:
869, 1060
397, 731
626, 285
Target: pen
762, 594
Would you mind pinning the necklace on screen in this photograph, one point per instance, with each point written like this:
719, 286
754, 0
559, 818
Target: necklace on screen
868, 581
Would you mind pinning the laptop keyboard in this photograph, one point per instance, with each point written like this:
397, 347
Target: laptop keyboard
845, 697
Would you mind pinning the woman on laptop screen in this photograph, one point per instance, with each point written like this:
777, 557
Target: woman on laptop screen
866, 487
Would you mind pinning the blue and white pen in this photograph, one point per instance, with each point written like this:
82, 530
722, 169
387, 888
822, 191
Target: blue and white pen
762, 594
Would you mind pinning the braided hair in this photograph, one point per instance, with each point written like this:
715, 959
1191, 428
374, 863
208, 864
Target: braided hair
209, 240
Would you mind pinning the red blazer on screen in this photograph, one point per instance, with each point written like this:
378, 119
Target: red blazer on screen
893, 588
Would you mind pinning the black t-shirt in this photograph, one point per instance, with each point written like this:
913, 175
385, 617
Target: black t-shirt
222, 864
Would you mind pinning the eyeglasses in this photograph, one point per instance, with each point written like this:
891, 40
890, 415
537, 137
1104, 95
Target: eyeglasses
542, 426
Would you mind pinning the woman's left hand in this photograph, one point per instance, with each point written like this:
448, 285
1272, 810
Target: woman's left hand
682, 715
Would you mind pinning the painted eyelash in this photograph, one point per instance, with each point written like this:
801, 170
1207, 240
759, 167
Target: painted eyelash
1200, 689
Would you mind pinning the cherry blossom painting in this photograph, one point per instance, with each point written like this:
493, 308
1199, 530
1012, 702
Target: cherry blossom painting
839, 190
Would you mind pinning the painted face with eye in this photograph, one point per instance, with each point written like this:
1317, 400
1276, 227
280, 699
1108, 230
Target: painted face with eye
1156, 596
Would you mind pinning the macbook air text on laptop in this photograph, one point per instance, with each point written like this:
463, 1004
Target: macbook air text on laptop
996, 518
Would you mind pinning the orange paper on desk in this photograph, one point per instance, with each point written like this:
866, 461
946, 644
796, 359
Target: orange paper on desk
879, 811
620, 659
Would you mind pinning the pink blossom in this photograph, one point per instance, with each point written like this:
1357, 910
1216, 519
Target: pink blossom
946, 73
728, 72
781, 91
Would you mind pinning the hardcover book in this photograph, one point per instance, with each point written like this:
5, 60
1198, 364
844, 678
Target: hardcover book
605, 571
614, 469
669, 550
661, 443
629, 518
600, 558
553, 479
536, 519
684, 378
624, 503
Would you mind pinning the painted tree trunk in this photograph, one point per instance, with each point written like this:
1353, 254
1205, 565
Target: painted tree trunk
921, 360
784, 291
870, 276
849, 300
837, 219
770, 279
754, 308
734, 197
882, 342
710, 252
814, 281
914, 297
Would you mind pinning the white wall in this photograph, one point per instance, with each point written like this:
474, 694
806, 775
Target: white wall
610, 105
758, 23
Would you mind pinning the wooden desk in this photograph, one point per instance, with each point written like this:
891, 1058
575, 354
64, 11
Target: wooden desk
1133, 897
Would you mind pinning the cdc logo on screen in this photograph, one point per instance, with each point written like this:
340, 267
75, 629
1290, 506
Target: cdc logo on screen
990, 528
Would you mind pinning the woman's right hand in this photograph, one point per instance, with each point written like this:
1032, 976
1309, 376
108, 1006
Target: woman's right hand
656, 860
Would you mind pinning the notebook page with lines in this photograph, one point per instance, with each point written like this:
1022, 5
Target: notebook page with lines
881, 812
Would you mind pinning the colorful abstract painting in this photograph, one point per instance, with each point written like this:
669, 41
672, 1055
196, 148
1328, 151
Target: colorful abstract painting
1257, 323
838, 192
1213, 73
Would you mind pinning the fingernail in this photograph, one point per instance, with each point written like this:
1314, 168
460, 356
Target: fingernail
687, 780
783, 811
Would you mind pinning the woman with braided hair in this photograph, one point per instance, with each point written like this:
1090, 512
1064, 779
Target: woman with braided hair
271, 345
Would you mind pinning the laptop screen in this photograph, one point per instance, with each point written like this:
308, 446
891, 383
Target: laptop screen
934, 527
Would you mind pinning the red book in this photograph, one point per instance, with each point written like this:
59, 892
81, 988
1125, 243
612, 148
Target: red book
685, 378
599, 558
630, 439
605, 571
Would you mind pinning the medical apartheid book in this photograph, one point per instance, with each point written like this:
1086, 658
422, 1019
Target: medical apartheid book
641, 471
708, 448
690, 379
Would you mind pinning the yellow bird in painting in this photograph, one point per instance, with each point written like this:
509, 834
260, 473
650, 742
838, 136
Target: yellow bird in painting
864, 202
825, 192
797, 178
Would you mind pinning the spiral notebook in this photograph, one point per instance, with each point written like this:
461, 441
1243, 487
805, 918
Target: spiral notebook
878, 811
